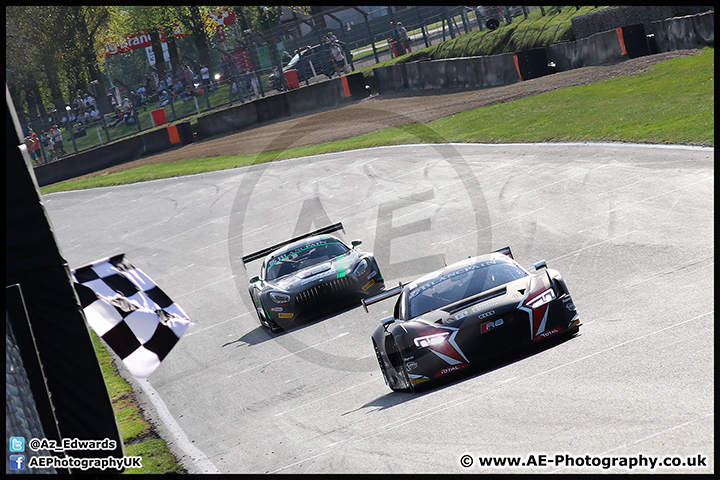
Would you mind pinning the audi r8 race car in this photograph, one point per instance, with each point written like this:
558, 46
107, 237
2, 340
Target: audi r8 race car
467, 312
311, 275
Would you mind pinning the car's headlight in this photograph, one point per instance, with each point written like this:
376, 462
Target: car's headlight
361, 267
279, 297
430, 340
543, 298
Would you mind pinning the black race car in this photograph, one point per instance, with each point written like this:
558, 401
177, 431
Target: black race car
311, 275
467, 312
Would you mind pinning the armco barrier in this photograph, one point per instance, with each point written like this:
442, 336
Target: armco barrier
107, 156
685, 32
233, 119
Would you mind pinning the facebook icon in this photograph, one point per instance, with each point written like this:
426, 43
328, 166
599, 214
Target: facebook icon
17, 462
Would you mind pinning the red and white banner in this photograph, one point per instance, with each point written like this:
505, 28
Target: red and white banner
142, 39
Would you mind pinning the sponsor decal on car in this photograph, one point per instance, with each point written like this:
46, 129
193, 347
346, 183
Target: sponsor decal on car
485, 305
487, 326
319, 276
454, 368
285, 315
549, 333
276, 309
411, 366
368, 285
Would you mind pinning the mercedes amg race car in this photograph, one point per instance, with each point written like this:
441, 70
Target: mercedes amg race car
311, 275
467, 312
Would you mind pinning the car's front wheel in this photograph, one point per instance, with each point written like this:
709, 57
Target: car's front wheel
396, 376
267, 322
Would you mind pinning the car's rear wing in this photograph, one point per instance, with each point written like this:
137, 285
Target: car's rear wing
381, 296
262, 253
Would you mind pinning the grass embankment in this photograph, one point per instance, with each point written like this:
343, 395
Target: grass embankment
671, 103
138, 435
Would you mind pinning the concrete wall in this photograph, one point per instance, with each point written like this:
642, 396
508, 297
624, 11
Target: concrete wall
300, 101
622, 16
467, 72
107, 156
685, 32
239, 117
595, 50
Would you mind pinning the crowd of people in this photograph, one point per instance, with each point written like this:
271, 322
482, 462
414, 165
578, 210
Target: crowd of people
51, 142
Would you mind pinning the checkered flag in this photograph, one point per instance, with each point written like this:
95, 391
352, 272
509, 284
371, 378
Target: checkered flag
130, 312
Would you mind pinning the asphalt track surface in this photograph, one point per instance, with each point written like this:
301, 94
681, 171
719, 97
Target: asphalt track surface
630, 228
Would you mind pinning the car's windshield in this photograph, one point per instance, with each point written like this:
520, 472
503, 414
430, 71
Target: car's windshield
304, 257
460, 284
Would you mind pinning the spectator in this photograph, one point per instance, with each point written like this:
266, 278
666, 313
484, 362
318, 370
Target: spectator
179, 87
331, 37
285, 58
129, 118
205, 77
337, 57
58, 139
78, 103
164, 98
180, 74
87, 103
29, 144
188, 94
404, 40
95, 115
225, 67
85, 118
51, 148
189, 76
395, 37
126, 103
34, 148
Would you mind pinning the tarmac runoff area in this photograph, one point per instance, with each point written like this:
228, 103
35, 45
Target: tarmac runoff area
630, 228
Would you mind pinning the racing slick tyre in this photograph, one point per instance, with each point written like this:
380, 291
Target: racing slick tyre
268, 323
398, 382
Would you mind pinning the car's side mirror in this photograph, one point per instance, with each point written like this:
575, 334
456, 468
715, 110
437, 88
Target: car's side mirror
540, 264
355, 243
255, 279
385, 322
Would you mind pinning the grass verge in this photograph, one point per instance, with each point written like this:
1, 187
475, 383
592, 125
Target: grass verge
138, 435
